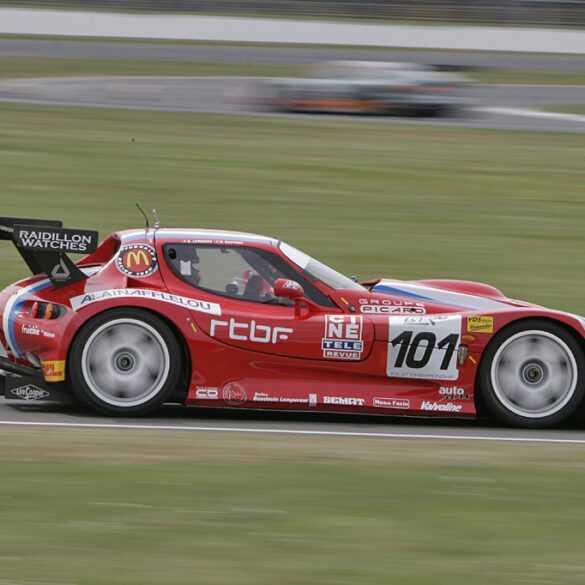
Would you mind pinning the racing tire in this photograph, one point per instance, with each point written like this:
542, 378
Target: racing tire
532, 375
124, 362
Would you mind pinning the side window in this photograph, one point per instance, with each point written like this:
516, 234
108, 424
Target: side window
242, 273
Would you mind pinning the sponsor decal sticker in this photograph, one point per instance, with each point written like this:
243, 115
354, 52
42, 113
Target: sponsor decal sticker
29, 392
234, 394
292, 400
480, 324
60, 271
35, 331
251, 331
30, 330
391, 307
343, 400
204, 393
386, 310
291, 284
266, 397
395, 403
453, 393
440, 406
343, 337
56, 239
54, 371
312, 400
154, 295
430, 321
137, 260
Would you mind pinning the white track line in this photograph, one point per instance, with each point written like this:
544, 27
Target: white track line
143, 427
530, 113
168, 26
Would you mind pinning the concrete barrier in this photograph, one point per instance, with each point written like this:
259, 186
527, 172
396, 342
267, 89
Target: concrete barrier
268, 30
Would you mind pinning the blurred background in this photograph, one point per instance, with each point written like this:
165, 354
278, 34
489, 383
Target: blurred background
423, 158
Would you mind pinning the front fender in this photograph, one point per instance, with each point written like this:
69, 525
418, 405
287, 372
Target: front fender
477, 338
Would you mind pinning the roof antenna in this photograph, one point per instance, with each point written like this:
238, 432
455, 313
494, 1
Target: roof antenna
145, 216
156, 225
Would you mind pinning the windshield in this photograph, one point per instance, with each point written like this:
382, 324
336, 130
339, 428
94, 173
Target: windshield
315, 270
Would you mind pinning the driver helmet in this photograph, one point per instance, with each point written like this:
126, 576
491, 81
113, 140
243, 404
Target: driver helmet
188, 261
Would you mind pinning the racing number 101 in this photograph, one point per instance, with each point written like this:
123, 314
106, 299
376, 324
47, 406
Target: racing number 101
409, 347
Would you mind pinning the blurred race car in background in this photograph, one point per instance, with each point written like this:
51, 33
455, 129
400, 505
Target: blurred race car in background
215, 318
368, 87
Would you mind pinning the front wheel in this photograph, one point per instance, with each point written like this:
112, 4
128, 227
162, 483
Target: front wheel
532, 375
125, 362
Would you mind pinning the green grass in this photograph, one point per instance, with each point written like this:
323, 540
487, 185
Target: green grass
370, 198
15, 67
524, 77
565, 109
221, 509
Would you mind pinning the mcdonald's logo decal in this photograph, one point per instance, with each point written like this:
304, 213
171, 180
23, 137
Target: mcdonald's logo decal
137, 260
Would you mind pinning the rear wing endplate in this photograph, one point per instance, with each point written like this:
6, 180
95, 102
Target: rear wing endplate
44, 245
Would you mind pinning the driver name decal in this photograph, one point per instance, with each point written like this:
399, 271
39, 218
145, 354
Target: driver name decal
424, 347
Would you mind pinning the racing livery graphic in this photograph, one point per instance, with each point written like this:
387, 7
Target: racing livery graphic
214, 318
138, 260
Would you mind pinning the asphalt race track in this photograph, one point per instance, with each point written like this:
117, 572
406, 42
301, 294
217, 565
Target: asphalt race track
491, 106
496, 106
182, 419
238, 53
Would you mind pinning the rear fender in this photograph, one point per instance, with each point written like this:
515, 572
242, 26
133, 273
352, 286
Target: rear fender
54, 351
179, 321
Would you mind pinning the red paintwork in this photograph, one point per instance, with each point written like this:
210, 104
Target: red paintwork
289, 371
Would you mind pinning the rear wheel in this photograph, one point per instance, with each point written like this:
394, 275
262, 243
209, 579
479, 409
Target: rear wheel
440, 111
125, 362
531, 375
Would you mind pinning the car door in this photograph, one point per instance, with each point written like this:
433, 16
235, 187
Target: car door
239, 280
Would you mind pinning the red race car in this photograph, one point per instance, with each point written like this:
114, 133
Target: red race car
216, 318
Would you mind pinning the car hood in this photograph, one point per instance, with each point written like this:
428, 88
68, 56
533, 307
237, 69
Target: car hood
455, 294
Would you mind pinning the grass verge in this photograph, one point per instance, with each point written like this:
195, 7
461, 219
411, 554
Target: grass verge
523, 77
15, 67
565, 109
218, 509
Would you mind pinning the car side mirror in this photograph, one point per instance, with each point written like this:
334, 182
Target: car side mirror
288, 289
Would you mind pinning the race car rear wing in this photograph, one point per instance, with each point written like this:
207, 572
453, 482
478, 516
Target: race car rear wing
44, 244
